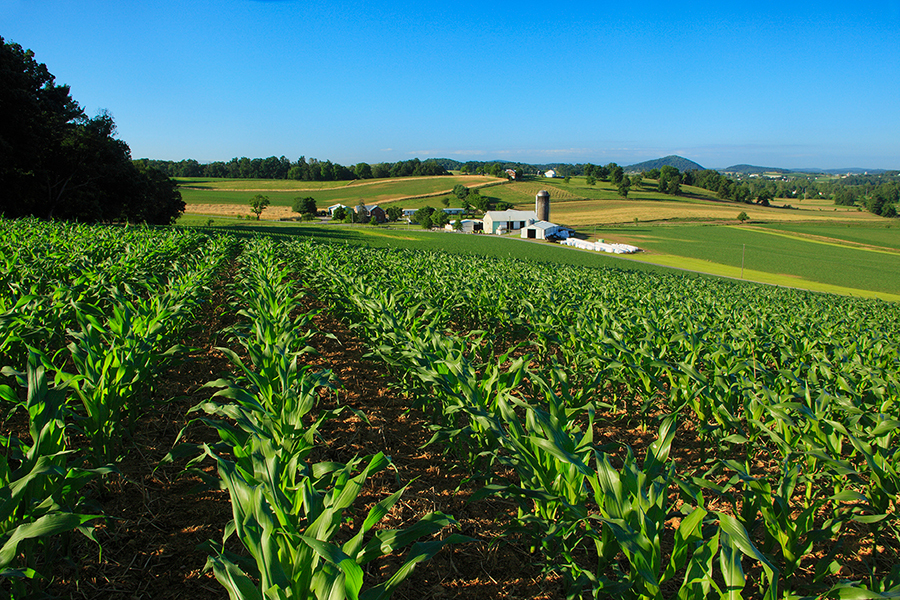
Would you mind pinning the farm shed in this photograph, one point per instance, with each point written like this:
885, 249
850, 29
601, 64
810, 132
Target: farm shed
540, 230
468, 226
551, 173
503, 221
454, 211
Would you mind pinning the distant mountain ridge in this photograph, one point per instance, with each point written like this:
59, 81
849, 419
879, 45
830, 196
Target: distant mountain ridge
753, 170
679, 162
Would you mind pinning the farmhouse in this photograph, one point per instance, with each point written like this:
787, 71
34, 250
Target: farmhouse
377, 214
503, 221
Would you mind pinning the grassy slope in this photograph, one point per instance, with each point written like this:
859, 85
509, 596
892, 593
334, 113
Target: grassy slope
768, 257
283, 192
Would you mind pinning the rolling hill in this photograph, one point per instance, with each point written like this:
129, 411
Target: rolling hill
680, 163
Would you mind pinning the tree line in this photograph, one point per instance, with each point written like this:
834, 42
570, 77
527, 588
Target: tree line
57, 163
301, 170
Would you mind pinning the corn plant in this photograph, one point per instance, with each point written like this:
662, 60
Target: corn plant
291, 535
40, 503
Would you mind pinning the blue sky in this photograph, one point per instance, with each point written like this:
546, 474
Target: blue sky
786, 84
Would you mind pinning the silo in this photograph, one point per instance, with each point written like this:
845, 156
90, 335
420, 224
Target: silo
542, 205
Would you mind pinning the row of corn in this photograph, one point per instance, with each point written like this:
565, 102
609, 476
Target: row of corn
292, 515
90, 317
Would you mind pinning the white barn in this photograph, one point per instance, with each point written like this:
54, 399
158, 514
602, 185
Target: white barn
504, 221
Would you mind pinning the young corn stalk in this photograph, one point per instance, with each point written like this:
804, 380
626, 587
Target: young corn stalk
40, 500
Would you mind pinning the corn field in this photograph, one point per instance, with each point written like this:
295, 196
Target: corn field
646, 435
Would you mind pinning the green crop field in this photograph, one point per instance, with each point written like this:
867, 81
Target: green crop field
283, 192
877, 235
797, 260
294, 415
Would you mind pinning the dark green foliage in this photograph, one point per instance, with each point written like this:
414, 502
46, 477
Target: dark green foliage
460, 191
423, 217
305, 206
56, 163
394, 213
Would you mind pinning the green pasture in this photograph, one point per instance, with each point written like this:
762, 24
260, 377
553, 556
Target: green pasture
785, 260
283, 192
523, 192
885, 236
256, 185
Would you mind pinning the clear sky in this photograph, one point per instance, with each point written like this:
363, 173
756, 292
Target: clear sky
783, 84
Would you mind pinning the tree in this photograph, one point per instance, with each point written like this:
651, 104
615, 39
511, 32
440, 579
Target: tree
616, 173
339, 214
393, 213
305, 206
481, 203
590, 180
460, 191
764, 197
258, 203
445, 201
56, 163
624, 184
423, 217
439, 218
743, 217
637, 180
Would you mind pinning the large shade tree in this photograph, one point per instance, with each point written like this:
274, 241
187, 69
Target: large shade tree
57, 163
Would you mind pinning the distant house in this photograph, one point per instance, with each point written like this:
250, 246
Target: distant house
550, 173
377, 214
334, 207
504, 221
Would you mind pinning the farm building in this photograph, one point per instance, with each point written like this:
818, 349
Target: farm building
541, 230
454, 211
504, 221
377, 214
551, 173
334, 207
467, 226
